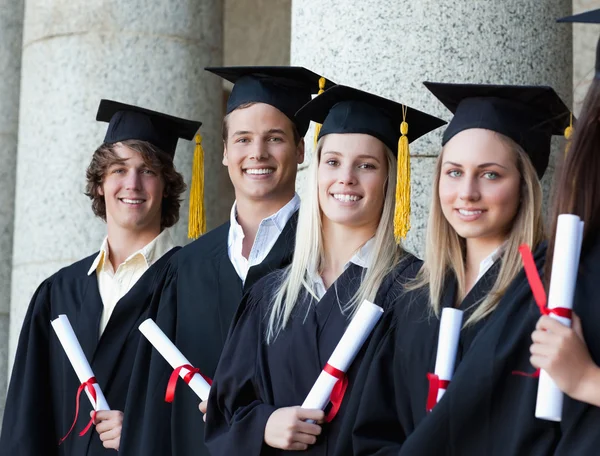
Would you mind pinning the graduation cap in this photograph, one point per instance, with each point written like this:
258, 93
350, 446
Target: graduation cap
529, 115
162, 130
284, 87
343, 109
589, 17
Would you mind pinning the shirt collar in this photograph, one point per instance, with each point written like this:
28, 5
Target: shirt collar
361, 258
489, 261
279, 218
151, 252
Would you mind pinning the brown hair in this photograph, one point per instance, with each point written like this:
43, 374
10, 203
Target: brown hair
225, 126
160, 162
578, 183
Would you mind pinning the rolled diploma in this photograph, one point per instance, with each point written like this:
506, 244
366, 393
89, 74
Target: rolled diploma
565, 263
349, 345
173, 356
68, 340
450, 325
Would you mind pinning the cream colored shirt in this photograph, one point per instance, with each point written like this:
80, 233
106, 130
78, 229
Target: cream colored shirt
268, 232
361, 258
114, 285
489, 261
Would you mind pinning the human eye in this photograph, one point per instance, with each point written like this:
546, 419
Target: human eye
275, 139
331, 162
242, 140
491, 175
367, 166
454, 173
148, 171
117, 171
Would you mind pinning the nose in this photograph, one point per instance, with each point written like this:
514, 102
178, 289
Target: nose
469, 189
258, 151
346, 175
133, 180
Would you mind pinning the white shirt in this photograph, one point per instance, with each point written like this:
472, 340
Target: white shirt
114, 285
489, 261
268, 232
361, 258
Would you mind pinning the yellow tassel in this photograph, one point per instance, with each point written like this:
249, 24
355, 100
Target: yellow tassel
322, 82
568, 134
402, 208
197, 217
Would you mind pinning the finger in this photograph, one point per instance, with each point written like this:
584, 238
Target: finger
308, 428
297, 446
310, 414
542, 350
105, 426
542, 337
102, 415
576, 325
111, 434
202, 406
547, 323
112, 444
539, 362
306, 439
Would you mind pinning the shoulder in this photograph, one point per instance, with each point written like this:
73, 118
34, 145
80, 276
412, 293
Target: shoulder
78, 269
208, 246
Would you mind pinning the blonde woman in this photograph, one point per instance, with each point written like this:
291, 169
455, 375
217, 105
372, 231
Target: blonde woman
487, 201
290, 322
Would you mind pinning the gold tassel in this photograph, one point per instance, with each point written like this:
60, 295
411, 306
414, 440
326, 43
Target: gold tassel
402, 208
568, 134
197, 218
322, 82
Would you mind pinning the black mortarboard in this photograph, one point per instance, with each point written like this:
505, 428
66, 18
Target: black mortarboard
343, 109
589, 17
529, 115
284, 87
132, 122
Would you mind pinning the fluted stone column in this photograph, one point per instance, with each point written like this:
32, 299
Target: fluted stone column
390, 46
149, 53
585, 37
11, 37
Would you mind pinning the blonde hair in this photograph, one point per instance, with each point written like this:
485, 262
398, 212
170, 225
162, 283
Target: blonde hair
445, 250
309, 253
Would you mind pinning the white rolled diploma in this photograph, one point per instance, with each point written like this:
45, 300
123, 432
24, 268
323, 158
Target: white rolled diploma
565, 263
63, 329
173, 356
449, 335
346, 350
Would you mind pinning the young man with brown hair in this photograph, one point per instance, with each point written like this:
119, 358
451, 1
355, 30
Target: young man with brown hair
136, 190
262, 147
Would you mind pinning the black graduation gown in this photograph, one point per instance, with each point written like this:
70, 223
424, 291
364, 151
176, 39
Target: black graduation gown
580, 422
254, 379
199, 296
485, 411
40, 404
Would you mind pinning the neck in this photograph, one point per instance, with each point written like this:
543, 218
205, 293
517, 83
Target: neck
478, 250
249, 215
340, 243
123, 243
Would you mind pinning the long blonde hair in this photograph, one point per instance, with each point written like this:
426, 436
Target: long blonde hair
309, 253
445, 250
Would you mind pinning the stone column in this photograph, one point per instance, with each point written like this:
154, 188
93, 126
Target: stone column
585, 37
11, 37
390, 47
149, 53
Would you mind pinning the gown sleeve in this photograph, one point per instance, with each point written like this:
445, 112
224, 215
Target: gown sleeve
28, 426
237, 413
146, 421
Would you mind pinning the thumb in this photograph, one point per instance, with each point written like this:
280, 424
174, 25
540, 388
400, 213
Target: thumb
311, 414
576, 325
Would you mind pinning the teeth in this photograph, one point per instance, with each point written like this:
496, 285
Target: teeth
466, 212
345, 198
259, 171
130, 201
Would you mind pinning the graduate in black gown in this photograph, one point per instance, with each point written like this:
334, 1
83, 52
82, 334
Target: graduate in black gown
263, 145
571, 356
290, 322
135, 188
486, 202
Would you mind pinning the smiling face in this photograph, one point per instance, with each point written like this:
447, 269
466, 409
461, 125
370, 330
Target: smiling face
261, 154
133, 193
479, 187
352, 174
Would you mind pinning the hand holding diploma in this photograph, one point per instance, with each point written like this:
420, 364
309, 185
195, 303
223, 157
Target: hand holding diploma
64, 331
182, 367
449, 336
332, 382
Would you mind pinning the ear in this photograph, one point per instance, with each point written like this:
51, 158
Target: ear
224, 154
101, 190
300, 152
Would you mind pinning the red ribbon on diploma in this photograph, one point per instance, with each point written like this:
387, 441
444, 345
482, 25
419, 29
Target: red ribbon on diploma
172, 385
539, 295
89, 385
337, 394
435, 385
